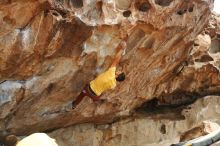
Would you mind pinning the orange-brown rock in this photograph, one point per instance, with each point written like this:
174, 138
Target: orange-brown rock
143, 129
50, 49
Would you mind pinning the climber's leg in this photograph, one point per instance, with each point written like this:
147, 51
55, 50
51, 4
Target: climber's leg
95, 98
79, 98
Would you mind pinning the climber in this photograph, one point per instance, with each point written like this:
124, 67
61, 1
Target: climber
36, 139
104, 81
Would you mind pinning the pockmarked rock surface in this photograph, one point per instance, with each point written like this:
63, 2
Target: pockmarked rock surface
49, 49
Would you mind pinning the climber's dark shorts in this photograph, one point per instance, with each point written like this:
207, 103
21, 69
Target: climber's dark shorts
89, 92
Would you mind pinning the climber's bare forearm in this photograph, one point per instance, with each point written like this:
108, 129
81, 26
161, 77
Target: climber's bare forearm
117, 58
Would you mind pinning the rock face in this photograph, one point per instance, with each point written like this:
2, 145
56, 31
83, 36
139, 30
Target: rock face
143, 130
50, 49
205, 128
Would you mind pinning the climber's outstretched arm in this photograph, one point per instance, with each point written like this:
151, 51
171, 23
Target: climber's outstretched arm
118, 56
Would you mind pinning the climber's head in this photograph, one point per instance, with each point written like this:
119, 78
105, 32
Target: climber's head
120, 77
10, 140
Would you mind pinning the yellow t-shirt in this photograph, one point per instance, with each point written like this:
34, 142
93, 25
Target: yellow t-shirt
104, 81
37, 139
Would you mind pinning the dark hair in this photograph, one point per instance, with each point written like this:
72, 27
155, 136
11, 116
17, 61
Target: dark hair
120, 77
